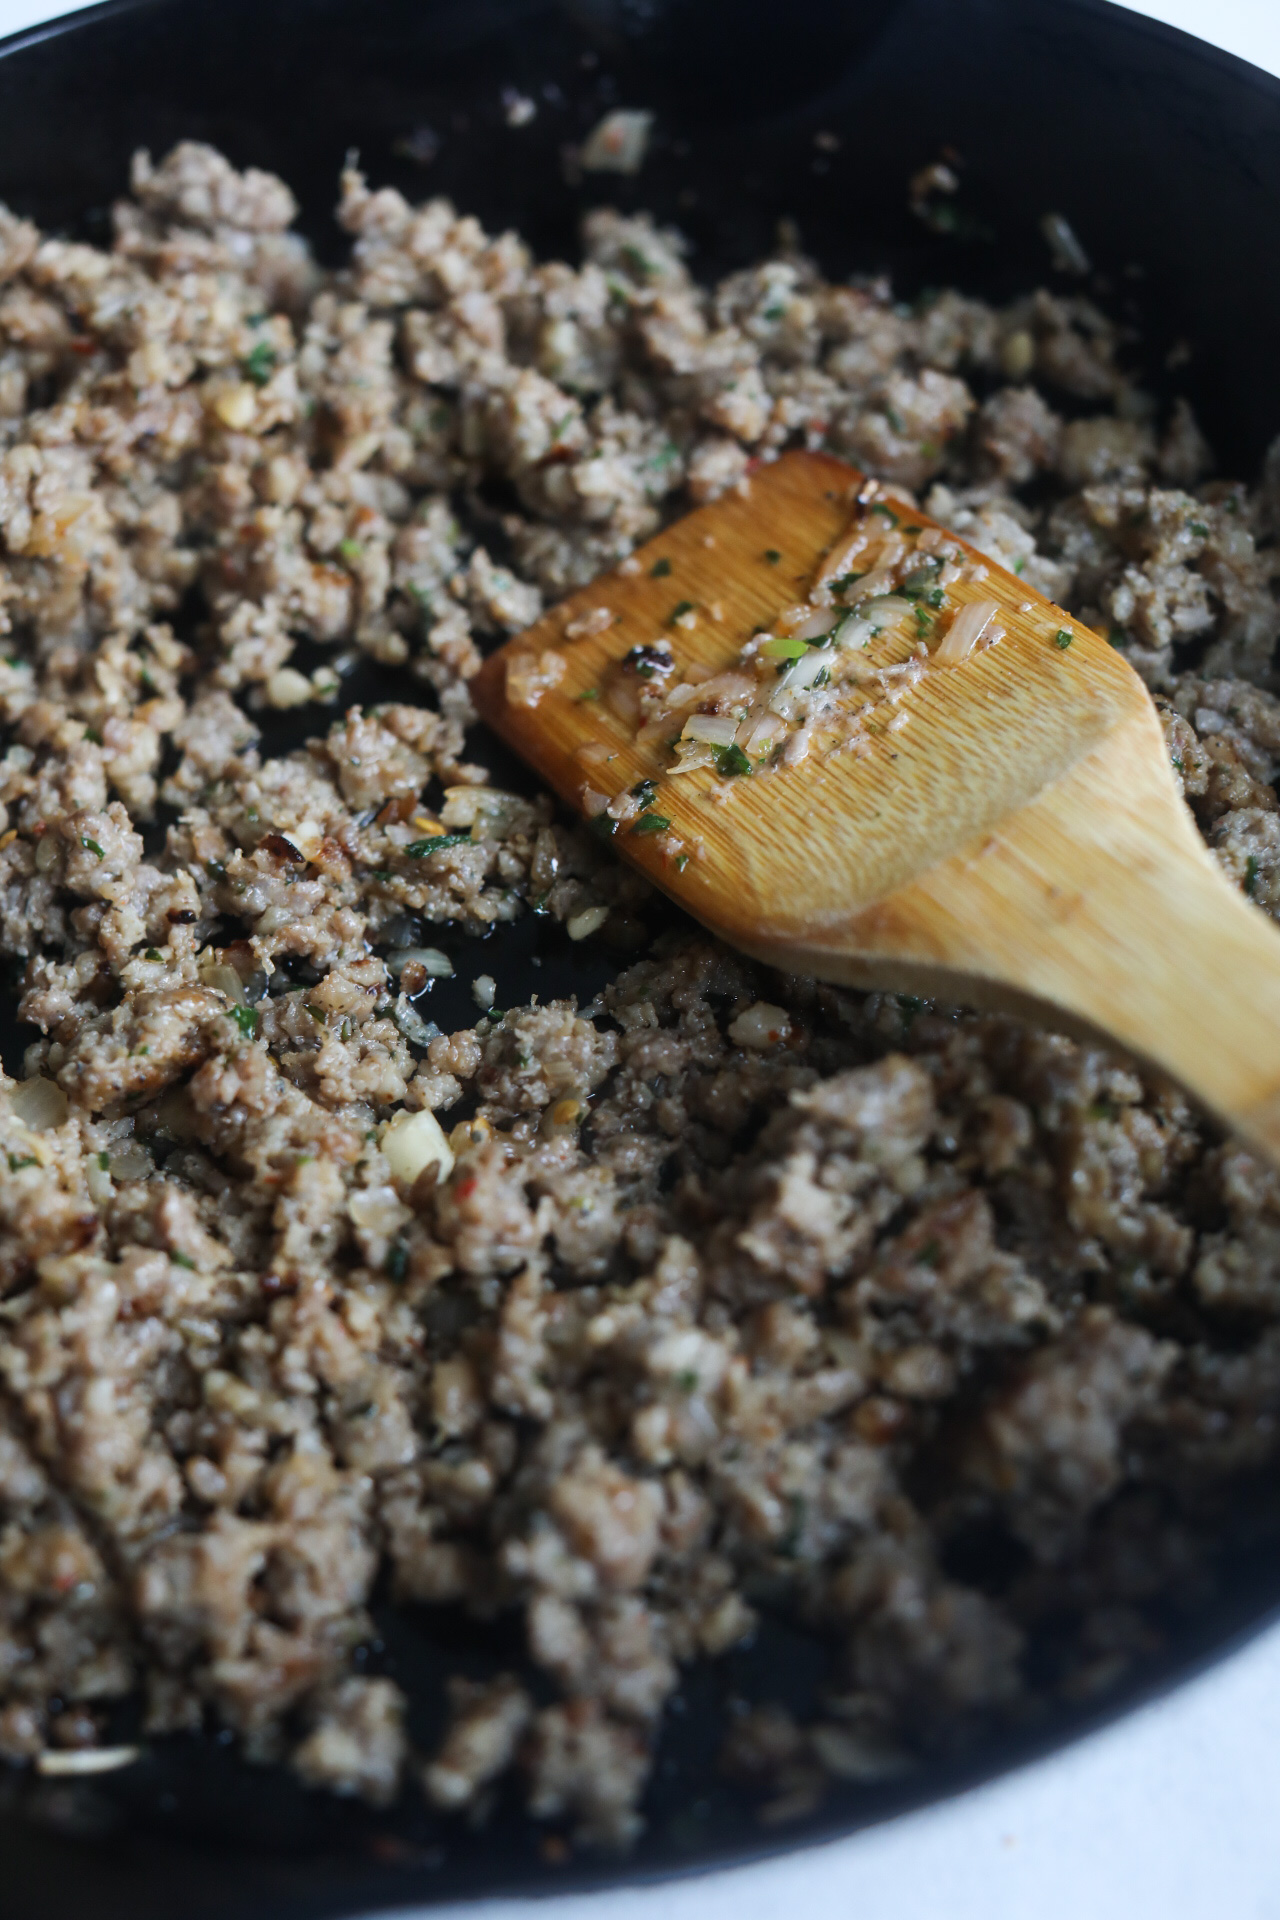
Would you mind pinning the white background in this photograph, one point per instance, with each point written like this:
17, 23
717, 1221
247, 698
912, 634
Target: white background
1173, 1813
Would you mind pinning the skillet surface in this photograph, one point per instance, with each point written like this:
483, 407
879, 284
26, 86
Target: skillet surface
1166, 159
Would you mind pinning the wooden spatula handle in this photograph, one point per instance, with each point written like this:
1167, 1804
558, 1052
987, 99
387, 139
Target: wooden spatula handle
1099, 900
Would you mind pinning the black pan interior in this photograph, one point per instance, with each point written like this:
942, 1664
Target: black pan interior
1164, 156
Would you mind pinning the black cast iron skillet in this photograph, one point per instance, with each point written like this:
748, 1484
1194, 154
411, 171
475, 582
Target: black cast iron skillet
1164, 155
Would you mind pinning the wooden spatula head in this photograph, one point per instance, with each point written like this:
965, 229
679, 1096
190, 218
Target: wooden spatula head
789, 860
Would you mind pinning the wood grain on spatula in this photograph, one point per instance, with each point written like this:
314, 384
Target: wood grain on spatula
1019, 841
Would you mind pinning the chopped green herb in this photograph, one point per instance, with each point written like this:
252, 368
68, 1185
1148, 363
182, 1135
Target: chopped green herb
260, 364
687, 1381
1118, 637
785, 649
1177, 761
888, 512
603, 827
591, 693
660, 569
924, 620
637, 261
772, 555
420, 849
562, 425
17, 1161
682, 861
317, 1013
92, 734
246, 1018
1018, 565
908, 1007
182, 1260
1062, 639
104, 1160
152, 953
644, 791
377, 873
651, 823
679, 610
91, 846
495, 1013
731, 759
822, 676
351, 550
846, 580
1251, 875
917, 584
1199, 528
396, 1264
895, 419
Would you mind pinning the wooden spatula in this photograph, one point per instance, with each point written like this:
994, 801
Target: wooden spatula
1018, 840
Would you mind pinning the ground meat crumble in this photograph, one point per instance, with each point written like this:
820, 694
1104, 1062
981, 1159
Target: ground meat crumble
709, 1313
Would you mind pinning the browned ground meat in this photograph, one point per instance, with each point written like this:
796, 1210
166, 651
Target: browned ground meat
698, 1321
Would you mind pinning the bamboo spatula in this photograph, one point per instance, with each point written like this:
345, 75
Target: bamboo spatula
1019, 841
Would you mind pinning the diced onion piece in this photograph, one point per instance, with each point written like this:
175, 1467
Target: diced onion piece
819, 622
580, 925
879, 580
130, 1162
587, 625
884, 610
1068, 255
465, 806
617, 144
438, 965
417, 1031
762, 1025
226, 981
690, 755
288, 688
762, 732
40, 1104
866, 534
78, 1761
965, 631
717, 729
414, 1141
593, 753
622, 697
530, 675
727, 688
594, 803
803, 673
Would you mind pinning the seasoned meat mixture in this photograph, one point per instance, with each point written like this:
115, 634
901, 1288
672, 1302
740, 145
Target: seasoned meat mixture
725, 1295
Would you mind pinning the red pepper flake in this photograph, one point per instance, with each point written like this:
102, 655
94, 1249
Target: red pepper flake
465, 1188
